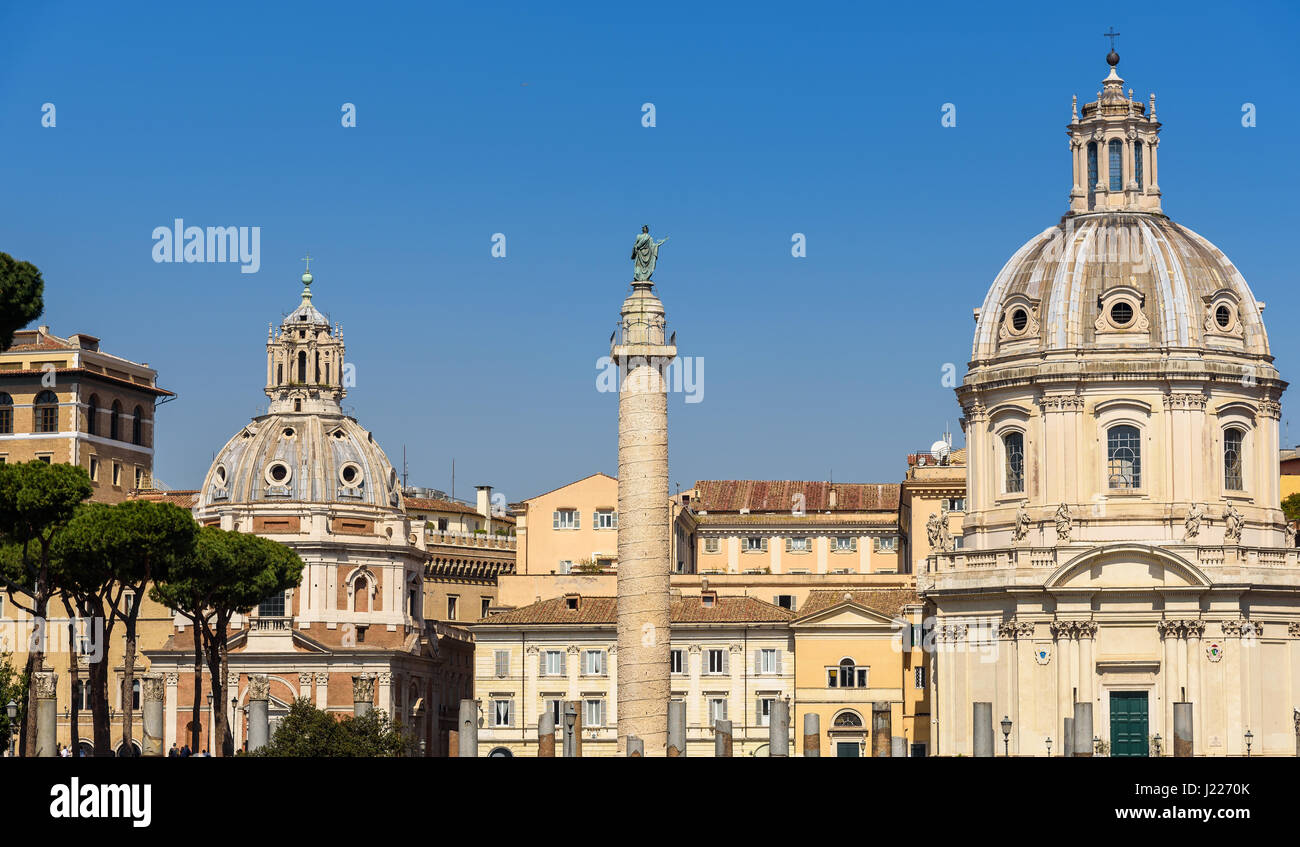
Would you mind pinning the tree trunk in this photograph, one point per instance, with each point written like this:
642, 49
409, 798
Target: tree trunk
218, 692
35, 659
228, 739
128, 678
103, 729
74, 672
195, 723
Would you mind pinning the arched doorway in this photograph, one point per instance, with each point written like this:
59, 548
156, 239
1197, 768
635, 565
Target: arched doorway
501, 753
848, 735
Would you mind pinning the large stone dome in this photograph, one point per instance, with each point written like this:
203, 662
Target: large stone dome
315, 458
1118, 280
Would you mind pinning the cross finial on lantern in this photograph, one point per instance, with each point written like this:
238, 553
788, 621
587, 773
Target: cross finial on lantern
1112, 35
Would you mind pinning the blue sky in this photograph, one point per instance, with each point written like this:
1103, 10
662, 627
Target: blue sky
525, 119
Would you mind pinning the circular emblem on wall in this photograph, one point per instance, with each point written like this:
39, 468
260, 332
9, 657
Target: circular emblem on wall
1213, 651
1043, 655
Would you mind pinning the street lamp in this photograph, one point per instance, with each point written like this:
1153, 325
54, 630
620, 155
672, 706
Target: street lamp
11, 712
1049, 746
1006, 735
1096, 745
1249, 737
1157, 740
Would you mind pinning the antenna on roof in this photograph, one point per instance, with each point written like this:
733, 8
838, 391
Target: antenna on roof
403, 467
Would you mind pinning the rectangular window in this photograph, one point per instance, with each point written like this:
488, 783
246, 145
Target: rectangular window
710, 545
117, 474
566, 566
565, 519
677, 661
1124, 456
1137, 164
553, 663
755, 544
955, 504
556, 707
845, 544
918, 677
593, 663
139, 478
453, 603
94, 469
717, 710
593, 713
272, 607
1232, 476
767, 661
763, 714
501, 658
717, 662
6, 419
887, 544
503, 712
47, 419
1013, 446
797, 545
785, 601
957, 542
1116, 164
606, 519
485, 606
1092, 173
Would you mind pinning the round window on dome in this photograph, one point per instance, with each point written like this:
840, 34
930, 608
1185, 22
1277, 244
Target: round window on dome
1121, 314
1223, 317
278, 473
350, 475
1019, 320
288, 432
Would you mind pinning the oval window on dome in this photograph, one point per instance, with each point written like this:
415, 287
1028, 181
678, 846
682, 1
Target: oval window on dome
221, 474
278, 473
1019, 320
350, 475
288, 432
1121, 314
1223, 317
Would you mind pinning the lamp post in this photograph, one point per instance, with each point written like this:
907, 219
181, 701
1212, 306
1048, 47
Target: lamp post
1006, 736
1249, 737
1157, 740
1096, 744
1049, 746
11, 712
212, 725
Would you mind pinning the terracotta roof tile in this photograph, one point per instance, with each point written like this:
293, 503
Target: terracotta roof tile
887, 601
603, 610
758, 495
184, 499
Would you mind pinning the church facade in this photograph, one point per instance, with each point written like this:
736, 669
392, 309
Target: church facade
308, 475
1126, 574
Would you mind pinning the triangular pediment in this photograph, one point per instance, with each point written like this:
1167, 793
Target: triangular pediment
846, 614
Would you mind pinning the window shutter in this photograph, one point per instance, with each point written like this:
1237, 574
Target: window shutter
603, 666
563, 661
726, 661
724, 710
789, 544
758, 712
853, 545
758, 662
510, 712
764, 545
778, 662
555, 519
616, 519
577, 519
503, 663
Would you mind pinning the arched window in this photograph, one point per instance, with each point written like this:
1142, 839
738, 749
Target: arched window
279, 374
1124, 456
848, 719
1092, 174
1116, 164
92, 415
362, 598
847, 672
302, 366
137, 426
115, 421
46, 412
1232, 442
1137, 163
6, 413
318, 367
1013, 444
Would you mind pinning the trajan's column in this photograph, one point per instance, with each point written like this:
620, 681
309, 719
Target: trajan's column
643, 355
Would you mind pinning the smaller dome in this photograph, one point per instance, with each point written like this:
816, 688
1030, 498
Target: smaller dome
302, 458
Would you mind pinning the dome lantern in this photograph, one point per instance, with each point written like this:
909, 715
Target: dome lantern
1113, 150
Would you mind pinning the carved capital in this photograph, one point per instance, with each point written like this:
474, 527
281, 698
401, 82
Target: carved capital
1270, 409
386, 678
45, 683
153, 688
173, 679
1185, 401
363, 688
1293, 630
304, 678
259, 687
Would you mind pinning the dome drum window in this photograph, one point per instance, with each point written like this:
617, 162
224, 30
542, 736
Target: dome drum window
1019, 320
1222, 316
351, 480
278, 474
1120, 311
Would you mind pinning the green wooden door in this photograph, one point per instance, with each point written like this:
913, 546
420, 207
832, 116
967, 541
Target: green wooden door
846, 749
1128, 723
